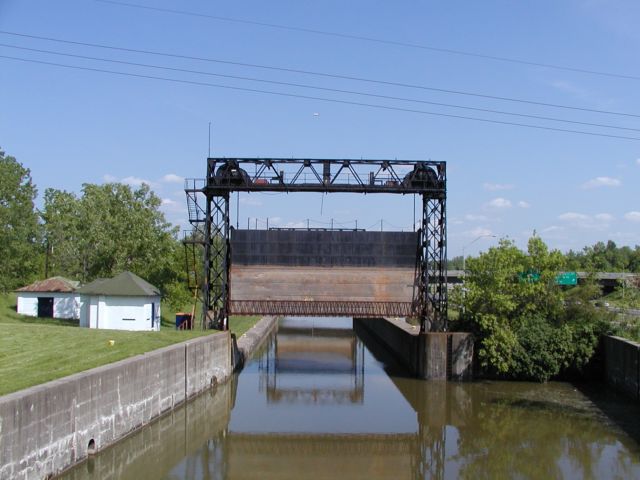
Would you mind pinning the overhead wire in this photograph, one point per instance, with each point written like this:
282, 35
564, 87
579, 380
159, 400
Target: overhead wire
376, 40
321, 74
314, 87
322, 99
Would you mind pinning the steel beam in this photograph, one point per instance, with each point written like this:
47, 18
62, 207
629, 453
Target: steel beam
226, 175
302, 175
217, 263
321, 308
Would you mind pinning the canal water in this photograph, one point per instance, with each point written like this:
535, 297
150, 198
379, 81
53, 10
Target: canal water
322, 401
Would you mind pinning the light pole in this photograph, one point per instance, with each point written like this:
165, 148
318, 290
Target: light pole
464, 247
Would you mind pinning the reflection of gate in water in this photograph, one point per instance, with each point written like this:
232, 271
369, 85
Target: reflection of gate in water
334, 357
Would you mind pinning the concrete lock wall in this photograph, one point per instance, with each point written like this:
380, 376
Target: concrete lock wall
622, 365
432, 355
47, 428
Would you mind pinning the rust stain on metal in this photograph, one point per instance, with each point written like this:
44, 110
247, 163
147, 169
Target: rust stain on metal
251, 283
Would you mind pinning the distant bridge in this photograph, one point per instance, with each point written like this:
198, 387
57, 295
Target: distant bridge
606, 279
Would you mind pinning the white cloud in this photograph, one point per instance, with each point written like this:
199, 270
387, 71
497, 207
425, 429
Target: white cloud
475, 218
552, 228
109, 178
172, 178
492, 187
602, 182
250, 202
632, 216
499, 203
480, 232
135, 181
523, 204
172, 206
638, 161
573, 217
295, 225
599, 221
604, 217
571, 88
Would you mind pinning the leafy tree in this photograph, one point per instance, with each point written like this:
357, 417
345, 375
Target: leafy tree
605, 257
111, 228
19, 248
455, 263
524, 327
63, 233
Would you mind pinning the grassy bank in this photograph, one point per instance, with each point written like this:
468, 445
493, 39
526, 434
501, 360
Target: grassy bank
35, 350
239, 325
623, 298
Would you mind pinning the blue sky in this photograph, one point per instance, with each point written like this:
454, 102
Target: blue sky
73, 126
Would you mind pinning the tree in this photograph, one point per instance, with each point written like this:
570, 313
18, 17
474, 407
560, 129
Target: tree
603, 257
19, 240
112, 228
455, 263
62, 233
523, 326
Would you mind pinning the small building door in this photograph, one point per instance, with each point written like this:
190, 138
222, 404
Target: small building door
45, 307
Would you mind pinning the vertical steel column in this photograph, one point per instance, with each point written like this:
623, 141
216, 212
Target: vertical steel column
432, 264
206, 283
217, 263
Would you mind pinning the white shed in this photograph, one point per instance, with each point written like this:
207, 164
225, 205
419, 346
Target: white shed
124, 302
54, 297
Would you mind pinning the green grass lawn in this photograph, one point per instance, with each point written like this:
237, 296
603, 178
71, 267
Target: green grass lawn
35, 350
239, 325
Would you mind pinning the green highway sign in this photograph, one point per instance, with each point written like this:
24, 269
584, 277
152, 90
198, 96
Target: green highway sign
567, 278
530, 276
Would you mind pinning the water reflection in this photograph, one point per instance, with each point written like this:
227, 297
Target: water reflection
312, 364
189, 438
322, 401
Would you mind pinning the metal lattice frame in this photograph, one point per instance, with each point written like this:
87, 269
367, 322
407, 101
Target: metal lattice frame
432, 266
217, 262
321, 308
212, 224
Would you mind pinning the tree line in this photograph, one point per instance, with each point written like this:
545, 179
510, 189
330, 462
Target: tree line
525, 327
99, 233
600, 257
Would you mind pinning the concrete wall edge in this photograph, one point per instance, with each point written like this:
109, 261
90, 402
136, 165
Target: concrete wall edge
252, 340
48, 428
102, 368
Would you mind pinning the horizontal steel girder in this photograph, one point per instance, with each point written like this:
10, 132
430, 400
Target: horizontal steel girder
321, 175
322, 309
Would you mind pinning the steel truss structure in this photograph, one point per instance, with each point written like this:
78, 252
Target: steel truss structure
208, 207
322, 308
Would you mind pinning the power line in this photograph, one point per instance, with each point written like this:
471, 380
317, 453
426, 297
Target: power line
320, 74
327, 89
376, 40
322, 99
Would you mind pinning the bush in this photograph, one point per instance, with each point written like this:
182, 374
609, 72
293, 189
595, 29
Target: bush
526, 327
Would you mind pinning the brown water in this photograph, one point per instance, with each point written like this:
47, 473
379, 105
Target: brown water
322, 402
